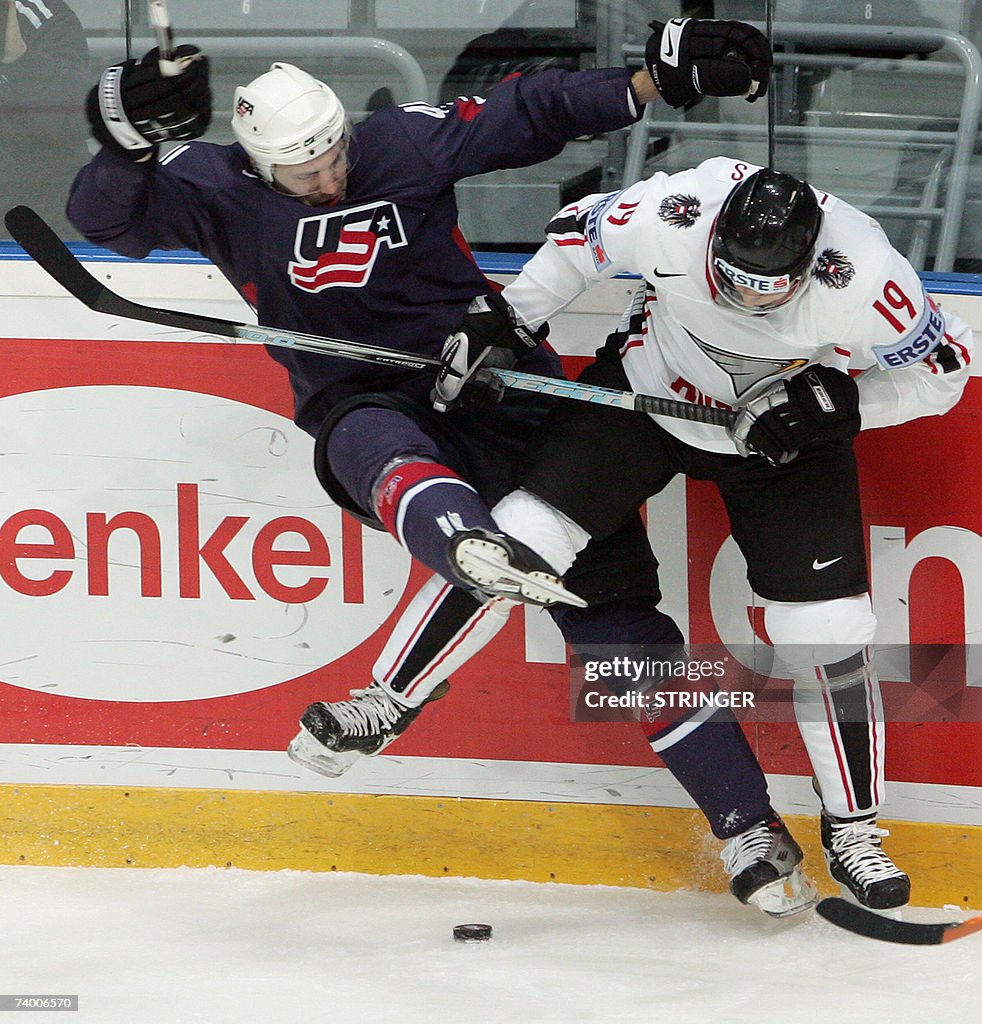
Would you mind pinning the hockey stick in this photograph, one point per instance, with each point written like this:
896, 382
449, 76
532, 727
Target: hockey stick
160, 19
861, 921
128, 15
41, 243
556, 388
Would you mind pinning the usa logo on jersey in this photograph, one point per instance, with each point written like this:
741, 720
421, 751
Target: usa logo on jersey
338, 250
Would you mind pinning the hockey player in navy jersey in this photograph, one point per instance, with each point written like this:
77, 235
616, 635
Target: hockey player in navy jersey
757, 293
352, 231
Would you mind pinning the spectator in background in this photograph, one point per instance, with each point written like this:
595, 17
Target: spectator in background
537, 35
44, 70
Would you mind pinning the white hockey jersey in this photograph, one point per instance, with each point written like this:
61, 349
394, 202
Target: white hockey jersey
863, 304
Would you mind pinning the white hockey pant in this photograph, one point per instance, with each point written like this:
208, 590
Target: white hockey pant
544, 529
828, 647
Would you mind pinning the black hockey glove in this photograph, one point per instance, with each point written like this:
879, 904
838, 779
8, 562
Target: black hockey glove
819, 405
690, 57
136, 106
491, 334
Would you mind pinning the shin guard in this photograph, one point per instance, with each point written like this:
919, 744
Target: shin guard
827, 645
442, 628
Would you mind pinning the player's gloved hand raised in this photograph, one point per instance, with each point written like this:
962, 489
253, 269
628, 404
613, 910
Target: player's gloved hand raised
819, 405
491, 334
136, 106
692, 57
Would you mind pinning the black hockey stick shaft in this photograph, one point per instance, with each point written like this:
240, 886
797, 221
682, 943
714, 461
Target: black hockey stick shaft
865, 922
608, 396
40, 242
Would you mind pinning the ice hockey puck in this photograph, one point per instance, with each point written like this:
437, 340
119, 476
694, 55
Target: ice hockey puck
472, 932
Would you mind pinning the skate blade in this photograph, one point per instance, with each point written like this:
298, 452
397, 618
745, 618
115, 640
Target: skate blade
894, 913
786, 896
486, 565
305, 751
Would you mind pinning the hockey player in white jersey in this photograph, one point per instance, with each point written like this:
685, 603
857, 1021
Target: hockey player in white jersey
757, 294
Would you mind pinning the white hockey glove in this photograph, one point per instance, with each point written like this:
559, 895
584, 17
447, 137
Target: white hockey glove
819, 405
491, 334
136, 106
691, 57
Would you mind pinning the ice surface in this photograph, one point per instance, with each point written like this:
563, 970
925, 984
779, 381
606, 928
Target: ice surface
178, 946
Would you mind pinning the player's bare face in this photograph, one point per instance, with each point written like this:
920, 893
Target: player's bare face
318, 182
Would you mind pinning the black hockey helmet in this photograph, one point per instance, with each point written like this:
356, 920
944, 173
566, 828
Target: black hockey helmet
764, 240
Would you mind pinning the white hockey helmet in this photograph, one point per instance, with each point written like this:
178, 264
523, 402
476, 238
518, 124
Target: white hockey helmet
286, 116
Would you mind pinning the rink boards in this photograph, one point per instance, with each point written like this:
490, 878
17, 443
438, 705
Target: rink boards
175, 589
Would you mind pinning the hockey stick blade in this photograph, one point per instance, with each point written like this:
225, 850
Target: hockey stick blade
38, 240
861, 921
44, 246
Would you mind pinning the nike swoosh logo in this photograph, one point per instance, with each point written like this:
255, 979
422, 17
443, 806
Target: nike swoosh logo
658, 273
816, 565
671, 39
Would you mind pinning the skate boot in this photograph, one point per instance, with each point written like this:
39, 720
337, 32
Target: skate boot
333, 736
764, 868
856, 861
501, 566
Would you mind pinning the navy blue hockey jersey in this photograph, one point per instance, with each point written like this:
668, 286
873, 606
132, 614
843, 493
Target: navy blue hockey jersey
388, 264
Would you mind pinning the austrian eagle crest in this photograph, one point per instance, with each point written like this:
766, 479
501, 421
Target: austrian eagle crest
681, 211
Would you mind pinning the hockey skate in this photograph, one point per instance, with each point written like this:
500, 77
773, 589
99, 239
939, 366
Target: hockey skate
501, 566
764, 865
856, 861
333, 736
